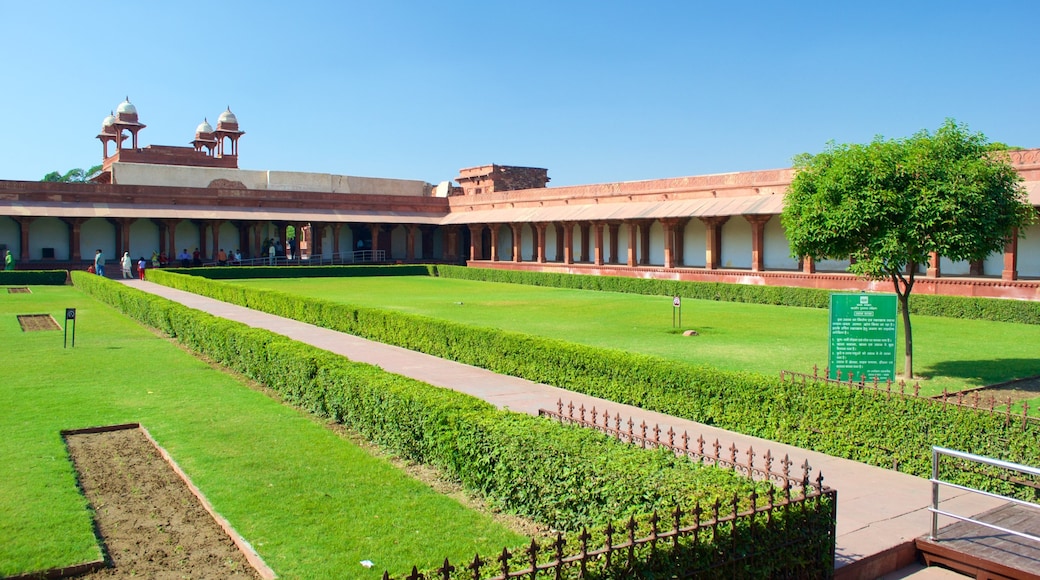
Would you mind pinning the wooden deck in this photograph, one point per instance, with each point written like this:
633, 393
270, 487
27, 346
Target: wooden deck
985, 553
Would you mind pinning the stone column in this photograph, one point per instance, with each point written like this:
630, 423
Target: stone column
449, 253
633, 230
315, 247
539, 228
644, 241
560, 227
74, 234
494, 241
375, 229
597, 238
584, 242
258, 242
808, 265
518, 236
758, 228
122, 235
1010, 271
215, 225
426, 235
476, 238
613, 228
713, 241
409, 242
933, 265
568, 243
668, 225
23, 226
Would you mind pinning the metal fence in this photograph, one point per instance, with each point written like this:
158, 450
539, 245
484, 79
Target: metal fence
795, 516
970, 398
970, 458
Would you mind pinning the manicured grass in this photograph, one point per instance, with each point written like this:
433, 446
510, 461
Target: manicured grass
949, 353
312, 503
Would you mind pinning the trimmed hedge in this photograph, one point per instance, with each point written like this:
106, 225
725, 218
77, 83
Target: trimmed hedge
996, 309
561, 476
857, 424
231, 272
33, 277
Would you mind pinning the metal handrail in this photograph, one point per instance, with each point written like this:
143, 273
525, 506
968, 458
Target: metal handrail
937, 452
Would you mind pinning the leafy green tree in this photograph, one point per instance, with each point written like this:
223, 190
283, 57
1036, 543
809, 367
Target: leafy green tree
72, 176
889, 204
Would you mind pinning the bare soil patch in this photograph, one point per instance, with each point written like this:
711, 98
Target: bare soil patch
18, 291
1019, 390
35, 322
150, 524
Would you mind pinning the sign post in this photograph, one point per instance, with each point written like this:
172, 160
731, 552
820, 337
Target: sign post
863, 336
70, 314
676, 308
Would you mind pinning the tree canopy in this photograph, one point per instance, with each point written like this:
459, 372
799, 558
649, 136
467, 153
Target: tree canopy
72, 176
889, 204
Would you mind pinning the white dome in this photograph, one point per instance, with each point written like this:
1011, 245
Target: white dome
126, 107
108, 122
227, 117
204, 127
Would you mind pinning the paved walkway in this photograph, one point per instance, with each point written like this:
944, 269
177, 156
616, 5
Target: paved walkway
878, 509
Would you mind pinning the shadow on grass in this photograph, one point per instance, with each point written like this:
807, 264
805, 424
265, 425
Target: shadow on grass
985, 372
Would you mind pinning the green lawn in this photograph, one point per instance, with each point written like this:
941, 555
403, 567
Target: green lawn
312, 503
950, 353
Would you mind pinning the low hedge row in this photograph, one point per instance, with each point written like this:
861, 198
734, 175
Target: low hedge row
862, 425
229, 272
33, 277
1020, 311
559, 475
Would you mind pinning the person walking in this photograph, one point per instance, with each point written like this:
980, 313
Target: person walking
142, 265
99, 263
8, 260
127, 265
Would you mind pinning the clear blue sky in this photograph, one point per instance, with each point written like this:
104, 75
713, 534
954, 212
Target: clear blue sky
594, 91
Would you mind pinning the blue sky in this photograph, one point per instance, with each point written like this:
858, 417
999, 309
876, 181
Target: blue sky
594, 91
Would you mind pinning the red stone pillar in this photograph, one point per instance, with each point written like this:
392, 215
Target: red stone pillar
215, 225
758, 229
568, 243
518, 236
258, 242
540, 242
1010, 271
644, 242
375, 229
597, 239
494, 241
613, 228
713, 240
559, 226
808, 265
74, 237
933, 265
23, 226
584, 247
476, 238
410, 242
678, 239
668, 225
633, 230
449, 253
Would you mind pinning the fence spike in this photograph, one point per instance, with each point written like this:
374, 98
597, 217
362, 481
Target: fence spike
581, 410
750, 457
570, 409
671, 437
594, 415
768, 457
532, 554
476, 566
733, 453
503, 558
446, 570
559, 406
415, 575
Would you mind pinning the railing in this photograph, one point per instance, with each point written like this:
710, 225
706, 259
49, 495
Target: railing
938, 452
970, 399
723, 538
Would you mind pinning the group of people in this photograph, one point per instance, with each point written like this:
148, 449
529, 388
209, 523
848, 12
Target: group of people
157, 261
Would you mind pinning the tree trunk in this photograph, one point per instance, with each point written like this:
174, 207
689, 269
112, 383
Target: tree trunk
904, 304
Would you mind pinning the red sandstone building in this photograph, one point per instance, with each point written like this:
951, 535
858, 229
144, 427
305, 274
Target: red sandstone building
721, 227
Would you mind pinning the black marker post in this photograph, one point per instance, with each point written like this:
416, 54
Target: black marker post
70, 314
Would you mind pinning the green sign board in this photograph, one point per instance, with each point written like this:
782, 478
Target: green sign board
863, 336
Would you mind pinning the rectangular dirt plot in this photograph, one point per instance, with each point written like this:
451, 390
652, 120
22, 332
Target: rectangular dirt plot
18, 291
150, 522
34, 322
